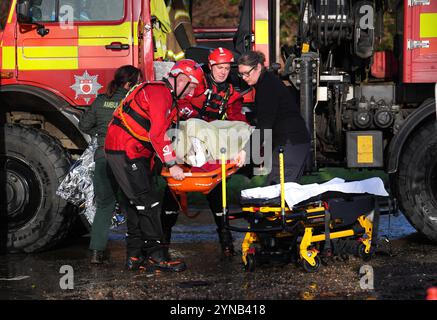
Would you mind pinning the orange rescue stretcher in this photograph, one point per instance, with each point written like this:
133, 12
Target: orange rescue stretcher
196, 181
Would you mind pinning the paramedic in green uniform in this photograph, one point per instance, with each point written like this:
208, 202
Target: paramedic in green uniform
95, 122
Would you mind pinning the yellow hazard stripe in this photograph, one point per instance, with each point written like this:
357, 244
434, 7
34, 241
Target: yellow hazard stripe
103, 35
11, 13
135, 33
48, 58
261, 32
50, 52
8, 58
428, 25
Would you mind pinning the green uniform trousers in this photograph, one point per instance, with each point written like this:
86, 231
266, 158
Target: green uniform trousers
105, 190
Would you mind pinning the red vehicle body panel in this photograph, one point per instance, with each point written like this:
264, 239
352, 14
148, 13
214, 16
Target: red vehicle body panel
74, 64
69, 61
420, 65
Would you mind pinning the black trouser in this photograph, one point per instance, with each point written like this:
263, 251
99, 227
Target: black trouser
145, 234
170, 210
295, 156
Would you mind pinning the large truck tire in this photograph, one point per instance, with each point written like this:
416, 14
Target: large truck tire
416, 180
36, 163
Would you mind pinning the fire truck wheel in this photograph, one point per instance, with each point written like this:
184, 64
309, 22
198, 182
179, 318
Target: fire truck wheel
417, 180
35, 165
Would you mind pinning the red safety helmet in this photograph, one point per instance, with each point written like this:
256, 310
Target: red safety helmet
188, 67
220, 55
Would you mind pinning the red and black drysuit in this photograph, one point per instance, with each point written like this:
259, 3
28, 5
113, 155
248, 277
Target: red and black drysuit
211, 101
136, 134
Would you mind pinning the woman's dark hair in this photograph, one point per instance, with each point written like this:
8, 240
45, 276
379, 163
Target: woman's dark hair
123, 75
252, 58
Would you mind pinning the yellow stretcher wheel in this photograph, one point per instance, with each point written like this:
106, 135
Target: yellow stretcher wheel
309, 268
250, 263
363, 254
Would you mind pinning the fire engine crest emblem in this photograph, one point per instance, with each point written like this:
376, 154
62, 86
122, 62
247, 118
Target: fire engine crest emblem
86, 86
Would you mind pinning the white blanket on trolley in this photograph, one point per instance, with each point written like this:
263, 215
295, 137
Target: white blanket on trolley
296, 193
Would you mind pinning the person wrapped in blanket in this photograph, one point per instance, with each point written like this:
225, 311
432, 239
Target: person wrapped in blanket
136, 134
213, 99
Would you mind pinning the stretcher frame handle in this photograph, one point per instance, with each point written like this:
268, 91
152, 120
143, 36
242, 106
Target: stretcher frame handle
282, 228
229, 166
282, 181
224, 200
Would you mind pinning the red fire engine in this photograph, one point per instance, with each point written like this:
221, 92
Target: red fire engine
365, 109
55, 57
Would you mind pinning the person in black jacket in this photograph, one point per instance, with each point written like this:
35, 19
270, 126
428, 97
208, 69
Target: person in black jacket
276, 110
95, 122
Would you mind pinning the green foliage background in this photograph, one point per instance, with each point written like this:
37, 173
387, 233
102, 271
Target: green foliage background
289, 17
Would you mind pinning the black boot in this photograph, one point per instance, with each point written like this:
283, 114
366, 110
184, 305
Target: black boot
166, 251
158, 260
226, 241
97, 257
134, 263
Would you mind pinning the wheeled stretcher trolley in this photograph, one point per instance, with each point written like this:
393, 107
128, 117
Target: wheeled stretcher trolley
333, 223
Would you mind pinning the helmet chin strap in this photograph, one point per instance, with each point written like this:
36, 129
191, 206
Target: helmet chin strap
213, 79
220, 85
175, 94
175, 98
178, 96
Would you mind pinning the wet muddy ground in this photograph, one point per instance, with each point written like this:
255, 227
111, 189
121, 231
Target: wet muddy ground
402, 268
